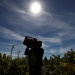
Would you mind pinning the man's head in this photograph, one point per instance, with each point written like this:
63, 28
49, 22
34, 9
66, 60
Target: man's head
39, 44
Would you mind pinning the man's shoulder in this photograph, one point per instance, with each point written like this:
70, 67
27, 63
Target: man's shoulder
41, 49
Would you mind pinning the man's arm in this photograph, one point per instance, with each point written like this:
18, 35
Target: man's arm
26, 51
42, 52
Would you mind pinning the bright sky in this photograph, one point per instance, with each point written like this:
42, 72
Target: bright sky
54, 25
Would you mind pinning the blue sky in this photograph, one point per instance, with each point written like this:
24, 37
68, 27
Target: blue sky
54, 26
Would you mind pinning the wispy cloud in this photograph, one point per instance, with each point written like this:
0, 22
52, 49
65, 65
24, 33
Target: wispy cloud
51, 51
44, 45
67, 34
61, 50
6, 33
4, 52
10, 5
54, 39
51, 40
44, 19
6, 43
68, 48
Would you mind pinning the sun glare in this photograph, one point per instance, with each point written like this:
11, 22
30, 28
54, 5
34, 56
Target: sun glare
35, 8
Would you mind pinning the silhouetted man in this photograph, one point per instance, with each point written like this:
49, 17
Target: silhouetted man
35, 58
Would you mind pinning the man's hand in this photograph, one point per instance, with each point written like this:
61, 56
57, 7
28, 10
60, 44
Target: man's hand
26, 51
27, 48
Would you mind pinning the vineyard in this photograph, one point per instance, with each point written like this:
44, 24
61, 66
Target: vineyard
53, 66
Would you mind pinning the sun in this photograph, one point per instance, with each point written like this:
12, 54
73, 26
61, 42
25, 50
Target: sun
35, 7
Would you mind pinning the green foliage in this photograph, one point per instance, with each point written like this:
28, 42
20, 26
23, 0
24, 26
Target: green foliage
9, 66
53, 66
61, 66
18, 67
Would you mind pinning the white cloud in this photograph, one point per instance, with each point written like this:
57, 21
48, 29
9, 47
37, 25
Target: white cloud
68, 48
14, 54
51, 40
46, 51
54, 40
10, 34
44, 19
61, 50
11, 6
67, 34
51, 51
4, 52
6, 43
64, 50
44, 45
